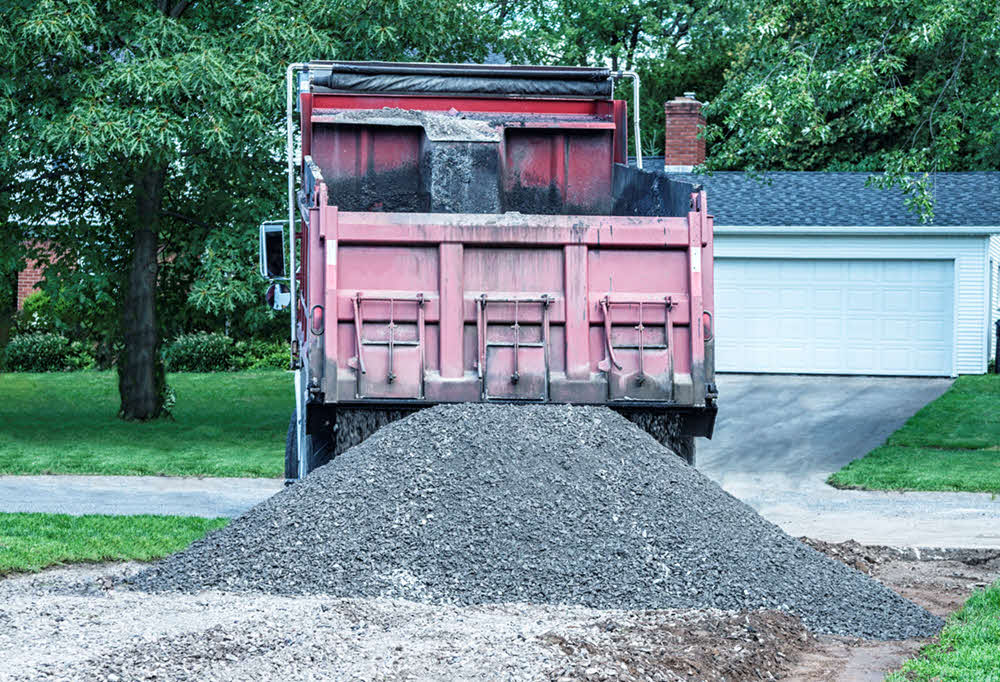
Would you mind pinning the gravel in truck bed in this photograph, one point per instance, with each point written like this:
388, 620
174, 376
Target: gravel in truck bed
477, 504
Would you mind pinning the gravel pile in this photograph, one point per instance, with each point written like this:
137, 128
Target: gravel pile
474, 504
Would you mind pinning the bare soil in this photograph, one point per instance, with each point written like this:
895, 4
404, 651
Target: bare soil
79, 623
938, 580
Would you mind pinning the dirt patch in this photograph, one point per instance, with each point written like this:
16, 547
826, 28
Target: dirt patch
760, 645
940, 580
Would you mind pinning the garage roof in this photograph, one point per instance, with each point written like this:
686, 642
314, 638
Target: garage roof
804, 198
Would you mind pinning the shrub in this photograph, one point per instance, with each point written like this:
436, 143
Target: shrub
199, 352
41, 352
256, 354
36, 315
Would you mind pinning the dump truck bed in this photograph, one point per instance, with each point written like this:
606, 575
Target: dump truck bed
434, 307
482, 239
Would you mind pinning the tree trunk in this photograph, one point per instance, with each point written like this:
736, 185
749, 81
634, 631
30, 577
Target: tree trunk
140, 372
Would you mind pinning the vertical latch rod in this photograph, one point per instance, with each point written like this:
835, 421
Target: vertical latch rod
516, 376
390, 377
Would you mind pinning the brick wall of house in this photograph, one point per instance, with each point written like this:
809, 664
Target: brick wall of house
683, 150
27, 280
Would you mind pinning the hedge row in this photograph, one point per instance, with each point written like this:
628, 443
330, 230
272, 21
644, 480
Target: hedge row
205, 352
38, 352
200, 352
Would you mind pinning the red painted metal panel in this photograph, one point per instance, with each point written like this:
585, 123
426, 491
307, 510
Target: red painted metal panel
513, 229
452, 311
573, 167
576, 283
473, 306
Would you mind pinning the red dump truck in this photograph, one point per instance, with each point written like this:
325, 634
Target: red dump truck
475, 233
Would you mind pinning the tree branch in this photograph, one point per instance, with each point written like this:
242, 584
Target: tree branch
179, 9
930, 116
180, 216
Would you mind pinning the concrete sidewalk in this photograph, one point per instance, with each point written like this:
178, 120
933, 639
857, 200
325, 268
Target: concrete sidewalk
208, 497
808, 506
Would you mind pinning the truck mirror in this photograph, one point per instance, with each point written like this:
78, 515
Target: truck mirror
278, 297
272, 250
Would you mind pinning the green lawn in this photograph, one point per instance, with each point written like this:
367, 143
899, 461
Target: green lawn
951, 444
224, 424
30, 542
968, 648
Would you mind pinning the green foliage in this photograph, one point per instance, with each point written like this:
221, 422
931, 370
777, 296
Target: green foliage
224, 424
908, 87
213, 352
674, 45
46, 352
31, 542
256, 354
199, 352
39, 314
97, 96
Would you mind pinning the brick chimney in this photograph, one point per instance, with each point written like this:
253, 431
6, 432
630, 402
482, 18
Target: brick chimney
683, 150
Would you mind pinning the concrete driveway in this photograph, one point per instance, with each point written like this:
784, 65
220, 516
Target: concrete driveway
208, 497
779, 436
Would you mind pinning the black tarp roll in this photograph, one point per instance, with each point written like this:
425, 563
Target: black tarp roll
462, 79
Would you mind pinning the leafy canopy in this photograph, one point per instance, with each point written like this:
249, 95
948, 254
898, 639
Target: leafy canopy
95, 92
904, 86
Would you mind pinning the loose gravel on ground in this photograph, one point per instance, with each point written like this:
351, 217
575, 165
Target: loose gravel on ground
480, 504
73, 624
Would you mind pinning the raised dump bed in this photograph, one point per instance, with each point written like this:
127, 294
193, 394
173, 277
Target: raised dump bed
473, 234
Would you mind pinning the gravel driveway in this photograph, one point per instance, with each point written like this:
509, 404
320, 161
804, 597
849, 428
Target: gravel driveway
778, 437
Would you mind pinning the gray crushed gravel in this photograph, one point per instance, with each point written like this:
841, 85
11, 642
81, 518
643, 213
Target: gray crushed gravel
478, 504
73, 624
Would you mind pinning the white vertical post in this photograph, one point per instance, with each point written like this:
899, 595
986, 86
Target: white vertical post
290, 135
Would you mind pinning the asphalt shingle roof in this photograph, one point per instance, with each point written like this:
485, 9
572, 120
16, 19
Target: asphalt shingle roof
841, 199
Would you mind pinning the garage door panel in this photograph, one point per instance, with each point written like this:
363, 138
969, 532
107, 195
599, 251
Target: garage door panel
897, 300
834, 316
898, 271
863, 271
896, 330
827, 359
858, 360
793, 328
828, 327
861, 330
928, 330
860, 300
930, 271
931, 300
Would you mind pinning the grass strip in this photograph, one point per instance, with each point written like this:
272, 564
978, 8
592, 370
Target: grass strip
31, 542
224, 424
952, 444
968, 647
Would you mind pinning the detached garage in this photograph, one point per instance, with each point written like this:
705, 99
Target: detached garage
817, 274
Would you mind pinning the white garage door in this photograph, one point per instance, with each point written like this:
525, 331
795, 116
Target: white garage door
834, 316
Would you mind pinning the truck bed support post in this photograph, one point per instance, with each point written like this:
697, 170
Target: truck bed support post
452, 323
292, 275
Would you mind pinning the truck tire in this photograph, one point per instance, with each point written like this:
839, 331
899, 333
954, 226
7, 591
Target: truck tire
319, 451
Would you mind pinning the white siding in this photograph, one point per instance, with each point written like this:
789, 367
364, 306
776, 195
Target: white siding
994, 295
968, 253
